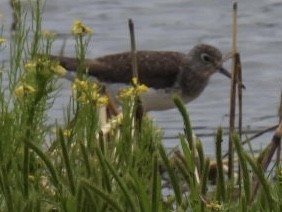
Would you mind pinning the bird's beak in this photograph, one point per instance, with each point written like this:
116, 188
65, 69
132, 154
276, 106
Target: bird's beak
224, 72
227, 74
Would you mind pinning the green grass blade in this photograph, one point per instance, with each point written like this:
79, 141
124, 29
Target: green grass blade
123, 187
205, 176
67, 162
156, 186
89, 187
260, 175
244, 167
47, 162
189, 162
187, 125
173, 177
85, 155
141, 191
104, 173
221, 189
204, 181
201, 156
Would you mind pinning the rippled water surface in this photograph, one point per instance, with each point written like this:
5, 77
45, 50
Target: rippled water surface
178, 25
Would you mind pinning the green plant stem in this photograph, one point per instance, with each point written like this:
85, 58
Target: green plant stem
67, 162
173, 177
89, 186
156, 191
123, 187
260, 175
221, 191
245, 172
46, 161
85, 156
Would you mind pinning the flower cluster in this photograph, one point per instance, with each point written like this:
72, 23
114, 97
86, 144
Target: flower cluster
88, 92
44, 184
24, 90
2, 40
214, 206
48, 35
67, 132
80, 29
134, 90
38, 73
51, 66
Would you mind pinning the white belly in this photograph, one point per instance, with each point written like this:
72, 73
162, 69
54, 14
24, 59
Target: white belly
157, 100
152, 100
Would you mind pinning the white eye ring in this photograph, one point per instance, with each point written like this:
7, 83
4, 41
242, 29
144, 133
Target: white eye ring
206, 58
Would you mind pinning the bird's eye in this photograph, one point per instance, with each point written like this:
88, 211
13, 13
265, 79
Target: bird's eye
206, 58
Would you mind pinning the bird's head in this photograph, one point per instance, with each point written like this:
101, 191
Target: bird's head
207, 60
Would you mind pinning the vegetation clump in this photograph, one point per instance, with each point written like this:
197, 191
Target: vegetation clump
77, 166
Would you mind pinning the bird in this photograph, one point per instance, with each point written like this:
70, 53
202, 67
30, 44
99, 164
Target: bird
165, 73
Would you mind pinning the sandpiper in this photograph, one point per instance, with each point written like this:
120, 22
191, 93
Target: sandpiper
166, 73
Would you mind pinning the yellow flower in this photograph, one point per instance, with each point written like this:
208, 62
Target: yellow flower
67, 132
94, 86
48, 35
88, 92
103, 100
23, 90
141, 89
31, 178
59, 70
134, 81
83, 99
134, 90
45, 64
45, 186
2, 40
80, 29
80, 85
94, 95
30, 66
126, 92
214, 206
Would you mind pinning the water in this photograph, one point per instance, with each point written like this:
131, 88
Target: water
178, 25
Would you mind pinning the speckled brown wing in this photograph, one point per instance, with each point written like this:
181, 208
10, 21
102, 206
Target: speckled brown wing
68, 63
156, 69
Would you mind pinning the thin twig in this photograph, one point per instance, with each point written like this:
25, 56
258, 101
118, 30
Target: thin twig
133, 49
275, 142
255, 136
16, 10
240, 93
240, 108
138, 103
62, 50
260, 133
232, 92
278, 153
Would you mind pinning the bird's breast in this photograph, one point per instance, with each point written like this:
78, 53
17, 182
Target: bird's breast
192, 85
